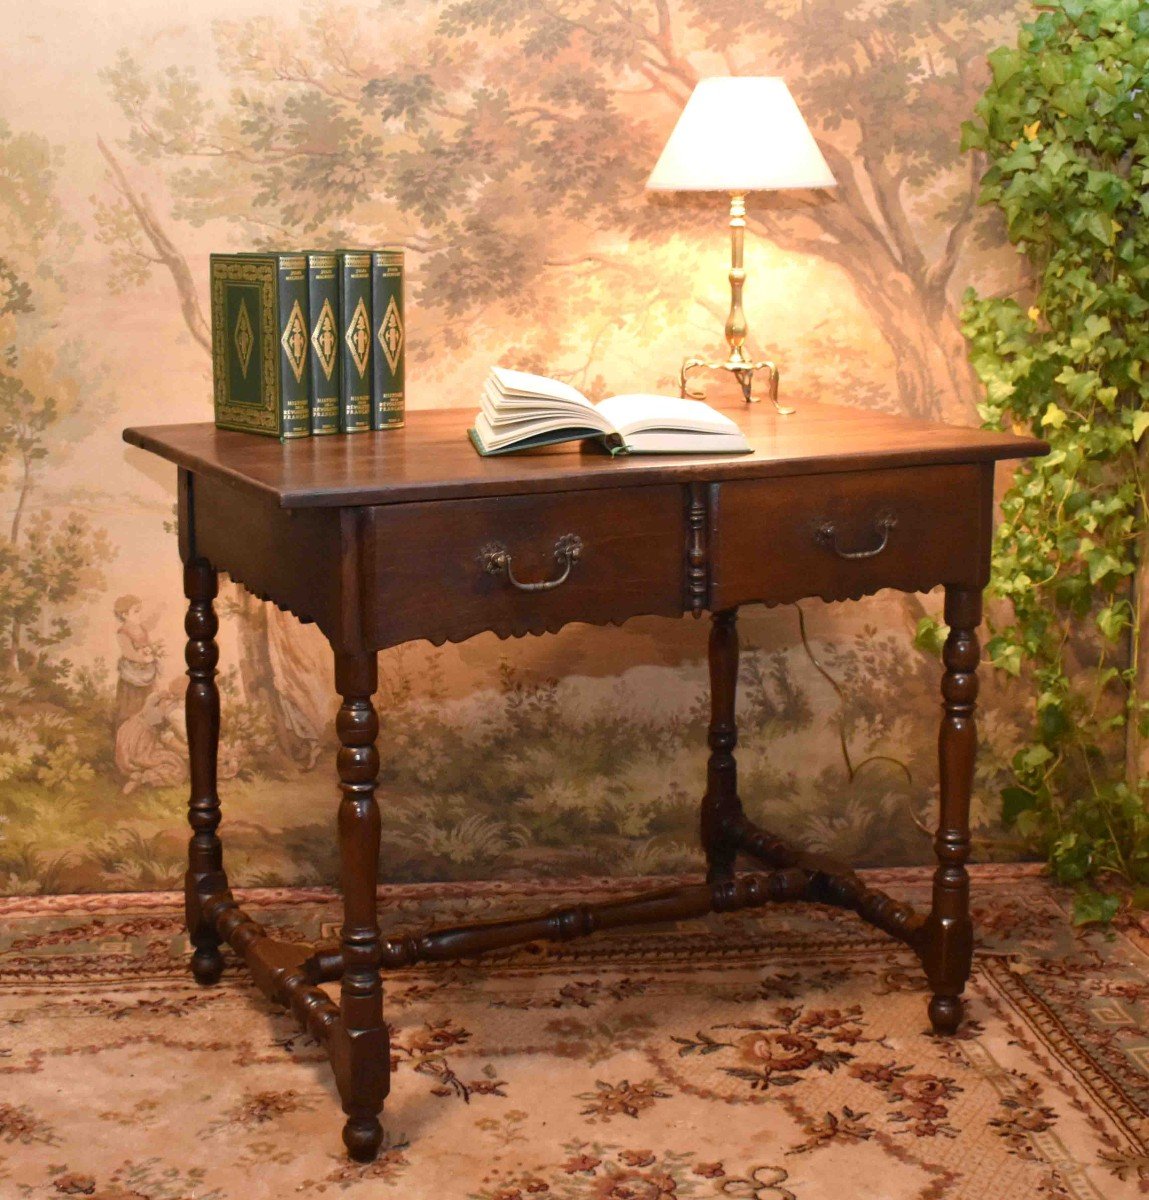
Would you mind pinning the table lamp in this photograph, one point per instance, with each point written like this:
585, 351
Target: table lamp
739, 134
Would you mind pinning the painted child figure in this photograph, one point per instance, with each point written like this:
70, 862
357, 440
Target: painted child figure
138, 666
149, 752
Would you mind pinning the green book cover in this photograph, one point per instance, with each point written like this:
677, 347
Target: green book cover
390, 346
259, 343
323, 360
355, 340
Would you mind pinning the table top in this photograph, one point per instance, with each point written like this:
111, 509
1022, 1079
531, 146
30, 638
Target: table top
432, 458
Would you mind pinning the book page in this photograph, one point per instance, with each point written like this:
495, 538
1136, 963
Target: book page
505, 416
523, 383
632, 413
498, 437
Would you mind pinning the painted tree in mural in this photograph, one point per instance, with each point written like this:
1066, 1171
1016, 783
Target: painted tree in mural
507, 141
53, 715
50, 558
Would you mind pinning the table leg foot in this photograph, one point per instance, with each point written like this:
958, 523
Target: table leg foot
363, 1136
945, 1013
207, 965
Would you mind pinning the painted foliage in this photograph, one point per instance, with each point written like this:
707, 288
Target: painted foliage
505, 144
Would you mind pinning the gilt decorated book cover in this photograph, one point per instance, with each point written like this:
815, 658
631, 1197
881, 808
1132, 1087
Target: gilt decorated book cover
389, 349
323, 321
355, 342
259, 343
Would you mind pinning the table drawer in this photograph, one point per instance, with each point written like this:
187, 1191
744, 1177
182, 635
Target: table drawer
840, 536
449, 569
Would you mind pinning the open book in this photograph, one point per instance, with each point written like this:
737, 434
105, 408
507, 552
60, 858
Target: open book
521, 411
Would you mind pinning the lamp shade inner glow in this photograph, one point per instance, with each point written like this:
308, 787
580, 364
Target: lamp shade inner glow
740, 134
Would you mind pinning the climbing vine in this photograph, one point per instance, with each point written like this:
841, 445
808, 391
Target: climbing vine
1065, 128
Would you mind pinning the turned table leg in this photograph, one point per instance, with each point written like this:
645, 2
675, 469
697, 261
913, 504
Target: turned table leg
948, 933
721, 808
361, 1052
205, 874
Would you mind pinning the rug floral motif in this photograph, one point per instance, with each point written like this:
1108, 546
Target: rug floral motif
781, 1055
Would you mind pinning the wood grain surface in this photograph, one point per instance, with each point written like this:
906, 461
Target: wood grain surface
432, 459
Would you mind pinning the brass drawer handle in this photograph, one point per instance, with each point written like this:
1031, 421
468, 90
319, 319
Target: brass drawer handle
827, 533
496, 559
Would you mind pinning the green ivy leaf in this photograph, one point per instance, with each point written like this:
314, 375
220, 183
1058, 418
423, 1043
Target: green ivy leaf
1014, 802
1094, 908
1053, 722
930, 635
1070, 858
1053, 416
1103, 563
1004, 655
1005, 63
973, 137
1112, 621
1033, 757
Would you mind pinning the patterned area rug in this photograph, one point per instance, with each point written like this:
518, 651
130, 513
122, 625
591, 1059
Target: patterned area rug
767, 1056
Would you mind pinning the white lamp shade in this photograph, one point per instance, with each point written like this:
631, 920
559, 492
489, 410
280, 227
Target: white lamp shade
740, 134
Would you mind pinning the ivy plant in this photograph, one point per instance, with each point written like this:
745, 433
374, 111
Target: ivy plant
1064, 125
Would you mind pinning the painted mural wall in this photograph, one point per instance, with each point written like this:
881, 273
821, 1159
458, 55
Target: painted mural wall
505, 143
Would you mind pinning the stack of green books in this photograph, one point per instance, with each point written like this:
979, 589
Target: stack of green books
308, 343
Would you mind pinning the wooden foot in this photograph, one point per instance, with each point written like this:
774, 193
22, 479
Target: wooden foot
721, 808
205, 874
945, 1013
359, 1047
363, 1136
206, 965
947, 936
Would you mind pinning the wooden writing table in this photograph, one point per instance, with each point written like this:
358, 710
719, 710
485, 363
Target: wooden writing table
383, 538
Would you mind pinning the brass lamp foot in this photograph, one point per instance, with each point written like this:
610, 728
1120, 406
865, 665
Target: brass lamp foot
742, 370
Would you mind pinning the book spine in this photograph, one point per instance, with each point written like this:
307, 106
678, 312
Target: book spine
291, 325
323, 356
390, 345
355, 341
245, 343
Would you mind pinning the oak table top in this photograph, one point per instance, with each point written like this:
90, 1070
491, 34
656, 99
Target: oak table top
433, 459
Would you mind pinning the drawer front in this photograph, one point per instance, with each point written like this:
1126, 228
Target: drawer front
841, 536
449, 569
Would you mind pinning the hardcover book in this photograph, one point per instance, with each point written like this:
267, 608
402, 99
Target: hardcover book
355, 340
389, 350
323, 359
520, 411
259, 343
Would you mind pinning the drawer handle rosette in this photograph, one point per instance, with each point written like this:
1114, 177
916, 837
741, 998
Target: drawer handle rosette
496, 560
827, 534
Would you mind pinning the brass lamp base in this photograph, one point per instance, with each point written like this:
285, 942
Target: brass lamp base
742, 370
738, 364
